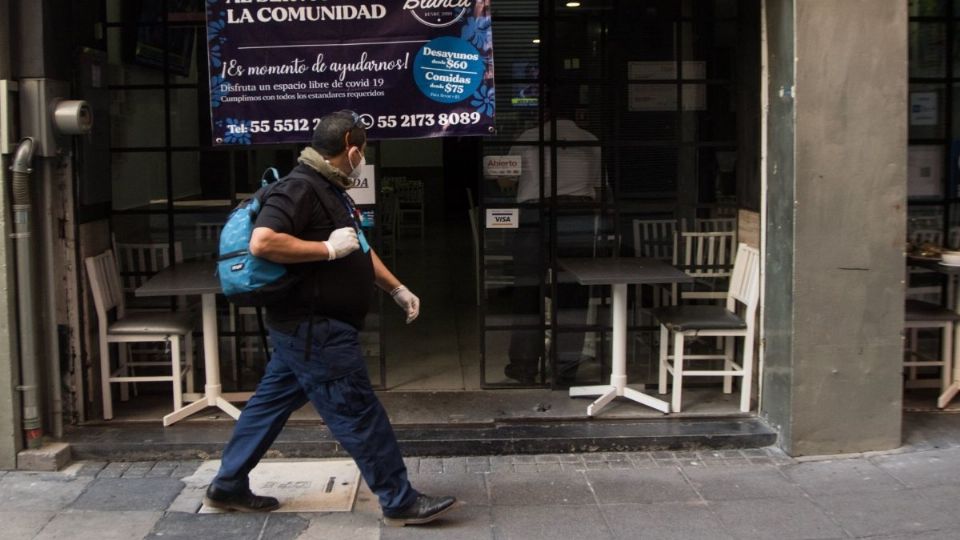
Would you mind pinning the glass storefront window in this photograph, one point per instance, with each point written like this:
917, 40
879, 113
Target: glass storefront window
928, 51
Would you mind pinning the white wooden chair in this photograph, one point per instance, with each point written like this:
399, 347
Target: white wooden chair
709, 320
653, 238
138, 262
207, 236
926, 315
724, 224
707, 257
167, 327
409, 196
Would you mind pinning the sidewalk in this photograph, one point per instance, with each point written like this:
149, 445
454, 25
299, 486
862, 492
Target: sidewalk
759, 493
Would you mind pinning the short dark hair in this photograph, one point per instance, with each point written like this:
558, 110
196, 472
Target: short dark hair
328, 136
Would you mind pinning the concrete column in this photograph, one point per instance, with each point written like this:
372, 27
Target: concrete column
836, 197
10, 432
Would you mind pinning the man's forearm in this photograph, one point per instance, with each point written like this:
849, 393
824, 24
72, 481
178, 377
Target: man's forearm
382, 275
284, 248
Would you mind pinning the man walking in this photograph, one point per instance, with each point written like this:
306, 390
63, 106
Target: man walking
309, 223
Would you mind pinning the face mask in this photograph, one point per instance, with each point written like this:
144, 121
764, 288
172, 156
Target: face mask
355, 173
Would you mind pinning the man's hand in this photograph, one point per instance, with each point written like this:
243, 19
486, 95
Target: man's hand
407, 301
342, 242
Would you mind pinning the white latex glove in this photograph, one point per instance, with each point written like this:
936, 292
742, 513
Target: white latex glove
342, 242
407, 301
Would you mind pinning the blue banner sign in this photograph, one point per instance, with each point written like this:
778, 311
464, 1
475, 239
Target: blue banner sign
408, 68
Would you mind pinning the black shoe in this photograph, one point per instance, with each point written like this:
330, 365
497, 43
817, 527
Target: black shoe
520, 374
423, 510
241, 502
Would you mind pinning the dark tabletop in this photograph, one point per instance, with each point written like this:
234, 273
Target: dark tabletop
933, 264
622, 270
181, 279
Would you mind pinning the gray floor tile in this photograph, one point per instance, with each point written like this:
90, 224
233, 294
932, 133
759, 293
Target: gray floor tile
108, 525
844, 476
923, 469
284, 527
893, 512
468, 488
39, 492
733, 483
643, 486
783, 519
116, 494
666, 521
549, 523
566, 488
234, 526
341, 525
24, 524
464, 523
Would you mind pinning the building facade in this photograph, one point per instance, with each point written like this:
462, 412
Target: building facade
788, 115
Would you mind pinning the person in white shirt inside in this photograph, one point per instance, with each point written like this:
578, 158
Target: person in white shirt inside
578, 178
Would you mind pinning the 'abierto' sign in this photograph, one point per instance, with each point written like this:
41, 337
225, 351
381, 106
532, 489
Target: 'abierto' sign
408, 68
497, 166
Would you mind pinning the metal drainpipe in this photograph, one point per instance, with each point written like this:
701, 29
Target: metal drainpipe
32, 424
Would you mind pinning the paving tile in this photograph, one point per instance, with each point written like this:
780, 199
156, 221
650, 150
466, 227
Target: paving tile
670, 463
783, 519
413, 464
186, 468
341, 525
891, 512
547, 458
117, 494
570, 458
663, 521
922, 469
24, 524
468, 488
524, 459
478, 467
547, 488
91, 468
39, 492
549, 467
162, 469
431, 465
734, 483
283, 527
843, 476
108, 525
114, 469
138, 469
455, 465
464, 523
526, 468
596, 465
234, 526
549, 523
647, 486
478, 459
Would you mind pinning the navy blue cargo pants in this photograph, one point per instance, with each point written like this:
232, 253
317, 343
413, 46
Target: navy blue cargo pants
335, 380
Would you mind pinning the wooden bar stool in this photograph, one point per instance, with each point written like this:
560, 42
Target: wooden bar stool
919, 314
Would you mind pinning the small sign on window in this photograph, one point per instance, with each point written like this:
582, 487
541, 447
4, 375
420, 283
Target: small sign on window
502, 218
498, 166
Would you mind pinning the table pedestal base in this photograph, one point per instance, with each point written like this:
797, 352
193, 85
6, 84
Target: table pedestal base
608, 391
211, 398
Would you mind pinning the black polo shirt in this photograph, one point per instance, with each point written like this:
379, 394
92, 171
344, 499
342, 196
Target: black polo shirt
344, 287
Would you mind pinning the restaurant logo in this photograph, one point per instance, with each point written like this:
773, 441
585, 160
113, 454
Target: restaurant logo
438, 13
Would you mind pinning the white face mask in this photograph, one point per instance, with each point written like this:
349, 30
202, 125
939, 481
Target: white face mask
355, 172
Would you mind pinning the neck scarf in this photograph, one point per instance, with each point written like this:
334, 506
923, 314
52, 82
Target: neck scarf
311, 158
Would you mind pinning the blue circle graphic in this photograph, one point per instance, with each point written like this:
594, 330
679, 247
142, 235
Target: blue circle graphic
448, 69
